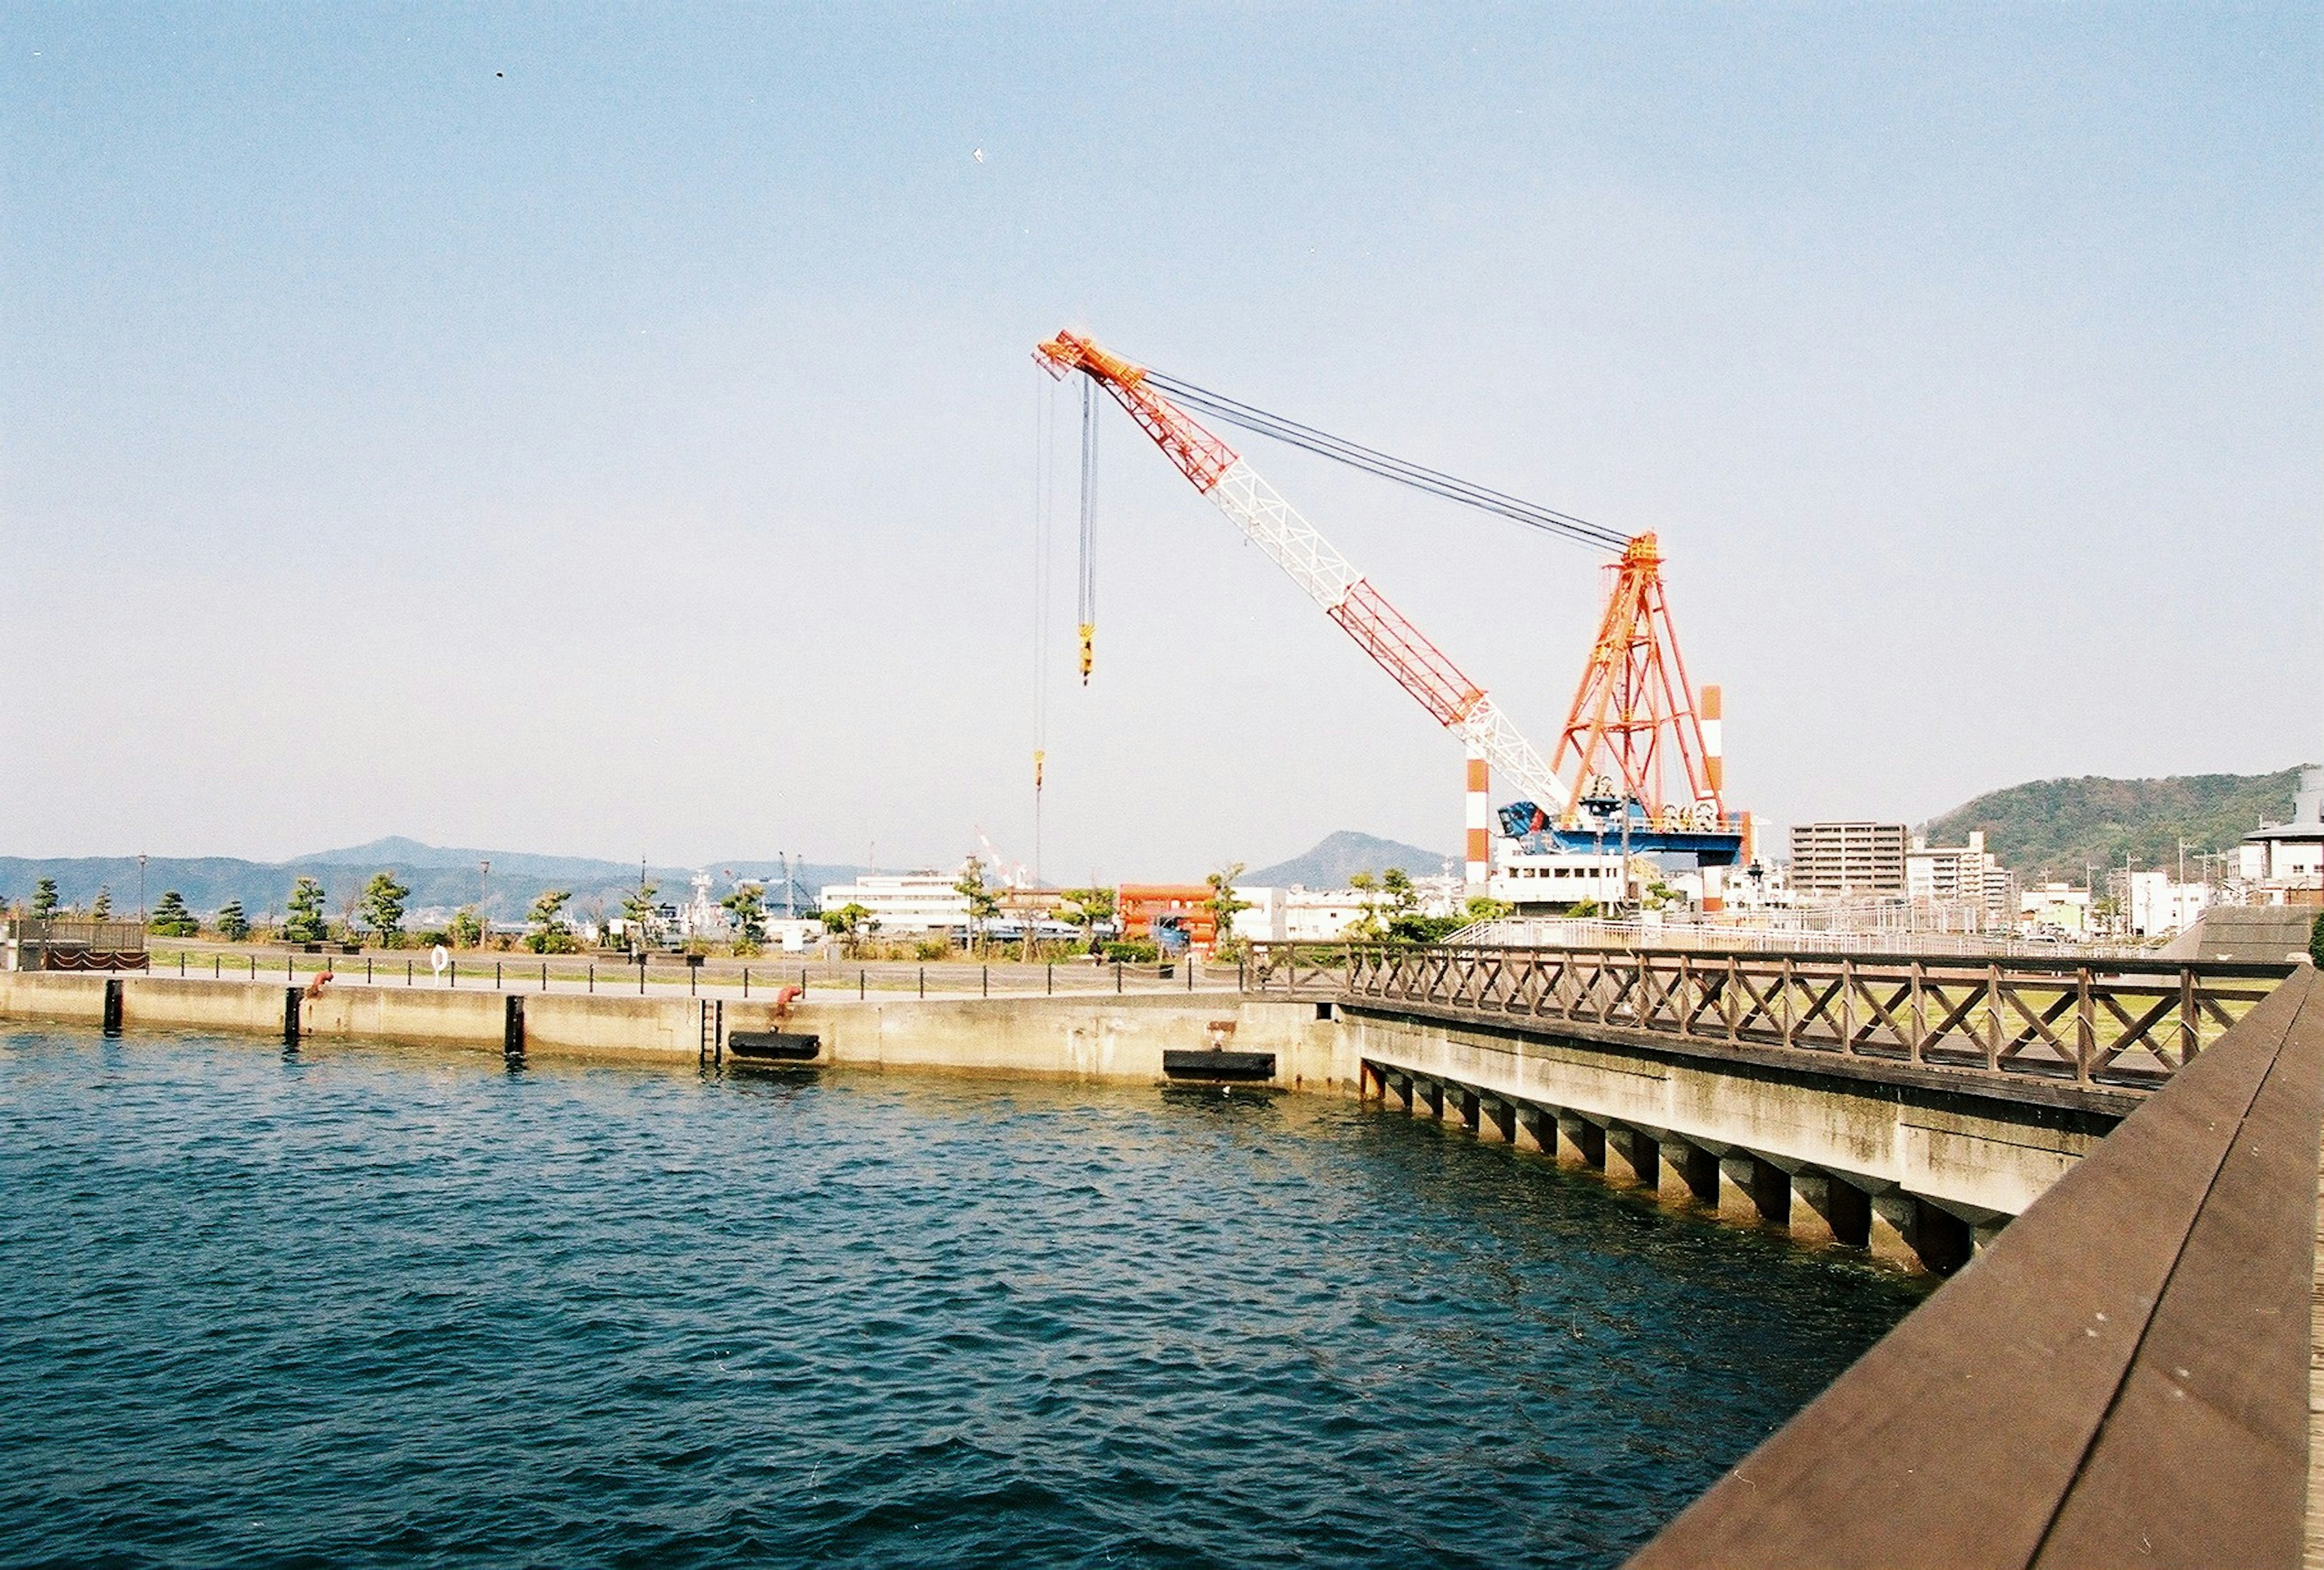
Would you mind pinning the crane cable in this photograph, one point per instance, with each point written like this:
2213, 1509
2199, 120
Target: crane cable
1086, 603
1434, 482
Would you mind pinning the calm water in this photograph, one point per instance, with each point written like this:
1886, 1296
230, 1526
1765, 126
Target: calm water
373, 1306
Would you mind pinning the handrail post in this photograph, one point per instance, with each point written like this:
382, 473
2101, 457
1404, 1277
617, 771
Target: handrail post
1993, 1016
2187, 1019
2085, 1025
1791, 1006
1846, 1006
1920, 1037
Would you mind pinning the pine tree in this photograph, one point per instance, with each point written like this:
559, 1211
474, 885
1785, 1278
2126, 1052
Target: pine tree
171, 918
232, 924
748, 906
383, 907
44, 900
303, 921
548, 915
102, 911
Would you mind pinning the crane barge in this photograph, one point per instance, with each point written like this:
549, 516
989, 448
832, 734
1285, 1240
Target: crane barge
1639, 756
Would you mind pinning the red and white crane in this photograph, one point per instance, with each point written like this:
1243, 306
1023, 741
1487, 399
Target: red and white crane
1634, 693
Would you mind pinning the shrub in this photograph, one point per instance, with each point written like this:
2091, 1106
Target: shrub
1133, 953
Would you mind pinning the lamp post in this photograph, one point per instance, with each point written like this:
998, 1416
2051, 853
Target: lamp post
141, 888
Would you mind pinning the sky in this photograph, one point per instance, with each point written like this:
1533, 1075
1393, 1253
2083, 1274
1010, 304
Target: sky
613, 429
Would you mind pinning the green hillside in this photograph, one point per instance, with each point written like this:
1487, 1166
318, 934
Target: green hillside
2063, 825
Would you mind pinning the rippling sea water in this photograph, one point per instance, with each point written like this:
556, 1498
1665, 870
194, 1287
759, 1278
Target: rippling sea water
370, 1306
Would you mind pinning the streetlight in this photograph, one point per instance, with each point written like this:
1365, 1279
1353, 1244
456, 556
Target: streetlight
141, 888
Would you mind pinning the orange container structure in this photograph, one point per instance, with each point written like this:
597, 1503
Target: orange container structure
1139, 907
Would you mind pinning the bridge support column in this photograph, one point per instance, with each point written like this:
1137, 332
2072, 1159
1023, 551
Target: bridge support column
1829, 1209
1426, 1100
1535, 1129
1633, 1158
1580, 1141
1690, 1174
1371, 1084
1497, 1121
1464, 1107
1751, 1190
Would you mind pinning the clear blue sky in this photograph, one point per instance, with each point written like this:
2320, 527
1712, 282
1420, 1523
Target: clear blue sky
612, 430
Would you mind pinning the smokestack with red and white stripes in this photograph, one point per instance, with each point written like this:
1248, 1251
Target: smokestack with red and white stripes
1713, 761
1714, 770
1480, 833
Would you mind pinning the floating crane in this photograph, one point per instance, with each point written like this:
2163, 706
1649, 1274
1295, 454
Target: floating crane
1634, 692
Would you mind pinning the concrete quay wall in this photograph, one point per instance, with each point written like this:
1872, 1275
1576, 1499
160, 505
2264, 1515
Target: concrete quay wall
1082, 1037
1920, 1174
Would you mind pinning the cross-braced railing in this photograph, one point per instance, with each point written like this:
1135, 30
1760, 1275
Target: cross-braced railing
2114, 1023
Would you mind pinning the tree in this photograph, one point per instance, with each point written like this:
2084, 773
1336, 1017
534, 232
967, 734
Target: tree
232, 924
102, 911
44, 900
748, 906
846, 922
548, 934
303, 913
1086, 908
466, 930
639, 914
171, 918
1369, 927
983, 904
383, 907
1224, 902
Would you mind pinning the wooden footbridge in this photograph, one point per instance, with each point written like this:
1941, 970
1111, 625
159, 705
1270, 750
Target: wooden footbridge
2132, 1372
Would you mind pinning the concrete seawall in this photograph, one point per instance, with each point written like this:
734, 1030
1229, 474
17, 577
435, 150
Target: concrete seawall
1084, 1037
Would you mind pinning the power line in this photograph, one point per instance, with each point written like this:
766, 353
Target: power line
1436, 482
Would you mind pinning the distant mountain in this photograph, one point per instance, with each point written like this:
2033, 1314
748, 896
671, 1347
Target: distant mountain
439, 877
2065, 825
1339, 857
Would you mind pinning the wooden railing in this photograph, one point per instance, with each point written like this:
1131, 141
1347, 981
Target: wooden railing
2112, 1021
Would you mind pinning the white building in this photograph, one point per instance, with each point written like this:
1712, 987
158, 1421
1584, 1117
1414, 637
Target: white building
903, 902
2288, 854
1552, 882
2159, 907
1966, 875
2055, 908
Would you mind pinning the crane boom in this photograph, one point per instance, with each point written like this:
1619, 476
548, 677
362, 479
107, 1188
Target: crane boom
1328, 577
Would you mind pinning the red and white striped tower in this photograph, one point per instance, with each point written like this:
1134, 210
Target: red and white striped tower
1714, 774
1480, 821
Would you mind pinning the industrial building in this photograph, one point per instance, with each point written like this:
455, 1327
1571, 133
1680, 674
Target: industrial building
1837, 861
903, 902
2284, 861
